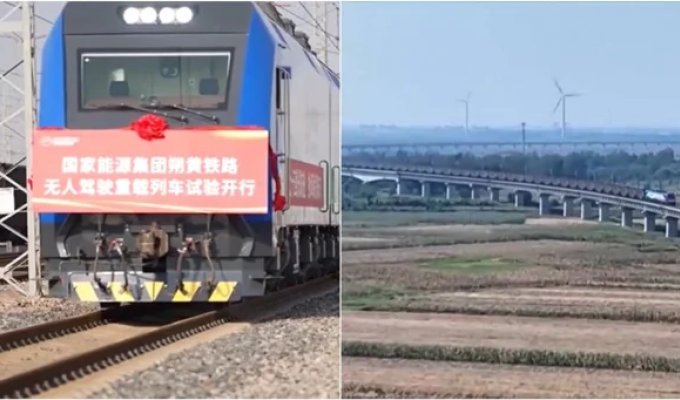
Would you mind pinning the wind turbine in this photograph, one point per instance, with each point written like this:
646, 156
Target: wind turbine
563, 100
466, 101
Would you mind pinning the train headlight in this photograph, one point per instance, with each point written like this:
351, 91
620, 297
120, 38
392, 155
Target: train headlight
167, 15
148, 15
184, 15
131, 15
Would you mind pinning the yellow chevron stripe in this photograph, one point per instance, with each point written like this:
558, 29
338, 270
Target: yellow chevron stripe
190, 288
153, 289
85, 291
120, 295
223, 291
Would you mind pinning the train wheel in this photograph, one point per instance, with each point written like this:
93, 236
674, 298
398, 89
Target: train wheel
274, 285
317, 271
304, 275
293, 279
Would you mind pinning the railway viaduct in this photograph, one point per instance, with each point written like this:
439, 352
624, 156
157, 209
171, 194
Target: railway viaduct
588, 195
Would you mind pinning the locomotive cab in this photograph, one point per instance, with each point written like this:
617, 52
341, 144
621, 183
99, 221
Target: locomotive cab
194, 64
670, 199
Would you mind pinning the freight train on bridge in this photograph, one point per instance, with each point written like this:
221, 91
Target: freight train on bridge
649, 203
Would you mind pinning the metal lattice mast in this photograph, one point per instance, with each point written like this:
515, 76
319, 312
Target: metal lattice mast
19, 23
28, 39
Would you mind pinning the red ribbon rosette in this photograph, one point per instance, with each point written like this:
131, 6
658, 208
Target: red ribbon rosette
150, 127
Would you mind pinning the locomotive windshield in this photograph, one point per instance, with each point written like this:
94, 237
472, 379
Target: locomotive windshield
192, 79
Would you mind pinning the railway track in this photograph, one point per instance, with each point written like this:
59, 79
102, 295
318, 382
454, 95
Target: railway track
42, 357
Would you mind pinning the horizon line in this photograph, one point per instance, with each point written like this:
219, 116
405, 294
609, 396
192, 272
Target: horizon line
513, 127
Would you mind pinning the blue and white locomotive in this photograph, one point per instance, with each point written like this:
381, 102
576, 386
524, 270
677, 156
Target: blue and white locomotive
236, 64
660, 197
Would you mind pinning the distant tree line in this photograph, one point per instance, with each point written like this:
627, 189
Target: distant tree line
650, 169
373, 202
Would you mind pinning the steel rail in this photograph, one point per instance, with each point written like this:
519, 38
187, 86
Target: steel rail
35, 381
54, 329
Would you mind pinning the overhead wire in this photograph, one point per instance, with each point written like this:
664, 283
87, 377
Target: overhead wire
326, 34
318, 25
284, 9
313, 24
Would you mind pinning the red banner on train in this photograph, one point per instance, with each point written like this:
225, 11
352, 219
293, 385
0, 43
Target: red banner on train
113, 171
306, 184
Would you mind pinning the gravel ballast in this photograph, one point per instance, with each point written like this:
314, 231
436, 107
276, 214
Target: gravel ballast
295, 355
17, 311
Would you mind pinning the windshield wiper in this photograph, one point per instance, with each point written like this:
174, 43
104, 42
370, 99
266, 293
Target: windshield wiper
213, 118
180, 118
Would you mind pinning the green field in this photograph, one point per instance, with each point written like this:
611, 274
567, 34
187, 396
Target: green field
472, 265
462, 215
622, 254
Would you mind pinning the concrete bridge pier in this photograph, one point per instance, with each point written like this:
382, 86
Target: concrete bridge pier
568, 206
671, 227
603, 212
626, 217
649, 221
450, 188
397, 190
586, 208
543, 204
521, 198
425, 189
495, 195
476, 192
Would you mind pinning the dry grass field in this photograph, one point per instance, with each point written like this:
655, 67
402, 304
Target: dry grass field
447, 306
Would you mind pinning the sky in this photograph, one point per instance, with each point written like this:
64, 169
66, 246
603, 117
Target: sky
407, 63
